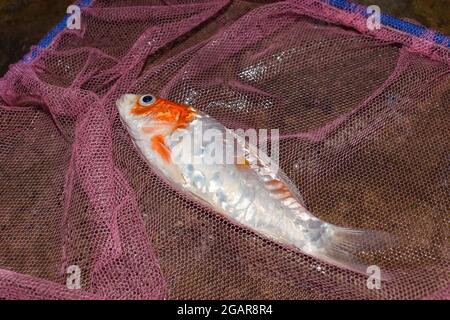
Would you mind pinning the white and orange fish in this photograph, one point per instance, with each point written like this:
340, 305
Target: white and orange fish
249, 192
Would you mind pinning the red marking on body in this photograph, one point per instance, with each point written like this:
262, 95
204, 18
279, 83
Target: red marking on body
148, 130
242, 163
278, 189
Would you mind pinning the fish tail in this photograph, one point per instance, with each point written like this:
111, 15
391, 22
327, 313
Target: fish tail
348, 248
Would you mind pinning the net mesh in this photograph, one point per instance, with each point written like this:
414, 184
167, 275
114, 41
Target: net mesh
365, 135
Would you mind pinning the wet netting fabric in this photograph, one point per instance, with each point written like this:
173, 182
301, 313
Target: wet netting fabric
364, 122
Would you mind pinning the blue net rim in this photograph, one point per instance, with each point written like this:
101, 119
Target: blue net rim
395, 23
48, 38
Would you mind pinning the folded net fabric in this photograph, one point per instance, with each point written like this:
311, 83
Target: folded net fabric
365, 135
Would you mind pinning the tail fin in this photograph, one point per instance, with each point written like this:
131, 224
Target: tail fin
347, 248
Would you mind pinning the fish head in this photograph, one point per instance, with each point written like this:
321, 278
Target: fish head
150, 120
152, 109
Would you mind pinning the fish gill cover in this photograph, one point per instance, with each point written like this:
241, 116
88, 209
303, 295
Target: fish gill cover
364, 135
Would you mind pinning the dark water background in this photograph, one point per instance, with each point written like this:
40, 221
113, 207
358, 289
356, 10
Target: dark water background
24, 22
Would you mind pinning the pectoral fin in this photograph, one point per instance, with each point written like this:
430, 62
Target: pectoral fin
159, 146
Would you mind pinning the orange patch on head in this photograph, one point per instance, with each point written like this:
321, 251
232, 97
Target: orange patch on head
177, 115
164, 112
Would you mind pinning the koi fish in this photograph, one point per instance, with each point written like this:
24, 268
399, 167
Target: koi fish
249, 191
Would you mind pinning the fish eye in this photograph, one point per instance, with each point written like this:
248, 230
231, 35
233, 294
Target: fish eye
147, 100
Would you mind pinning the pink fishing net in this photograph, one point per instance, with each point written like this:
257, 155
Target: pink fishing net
365, 135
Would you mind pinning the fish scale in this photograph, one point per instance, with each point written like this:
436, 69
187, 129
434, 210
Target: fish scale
171, 137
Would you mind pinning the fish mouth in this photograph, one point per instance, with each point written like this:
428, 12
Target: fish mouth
125, 103
126, 100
